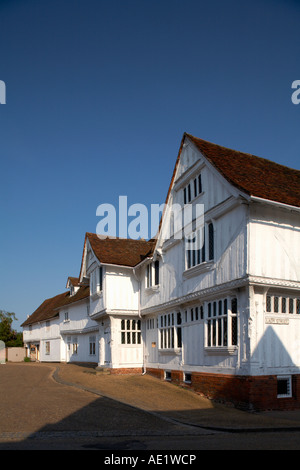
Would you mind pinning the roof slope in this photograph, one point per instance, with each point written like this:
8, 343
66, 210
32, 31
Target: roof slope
48, 309
253, 175
120, 251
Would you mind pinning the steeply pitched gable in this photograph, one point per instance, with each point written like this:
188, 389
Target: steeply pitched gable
120, 251
253, 175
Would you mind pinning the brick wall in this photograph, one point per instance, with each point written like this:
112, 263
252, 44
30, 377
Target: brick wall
245, 392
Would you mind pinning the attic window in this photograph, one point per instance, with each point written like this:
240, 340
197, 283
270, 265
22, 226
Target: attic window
96, 280
192, 189
152, 274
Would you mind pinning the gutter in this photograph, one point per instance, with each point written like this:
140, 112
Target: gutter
274, 203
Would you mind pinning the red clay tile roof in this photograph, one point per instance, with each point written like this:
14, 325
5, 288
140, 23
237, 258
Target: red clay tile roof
48, 309
120, 251
74, 281
253, 175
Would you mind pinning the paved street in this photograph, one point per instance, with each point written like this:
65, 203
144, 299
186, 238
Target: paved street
57, 406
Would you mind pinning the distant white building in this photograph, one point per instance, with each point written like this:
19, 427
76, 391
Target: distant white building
219, 315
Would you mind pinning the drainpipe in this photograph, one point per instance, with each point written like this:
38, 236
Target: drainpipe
140, 316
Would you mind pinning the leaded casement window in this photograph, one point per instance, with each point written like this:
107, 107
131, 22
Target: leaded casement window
200, 246
221, 323
96, 280
283, 304
192, 189
131, 331
150, 323
152, 274
92, 345
170, 333
193, 314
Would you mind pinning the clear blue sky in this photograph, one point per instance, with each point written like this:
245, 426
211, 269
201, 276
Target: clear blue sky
98, 96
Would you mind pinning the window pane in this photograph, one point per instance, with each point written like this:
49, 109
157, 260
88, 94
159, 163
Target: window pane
209, 333
234, 331
179, 342
199, 184
234, 305
268, 303
189, 193
156, 272
209, 309
211, 241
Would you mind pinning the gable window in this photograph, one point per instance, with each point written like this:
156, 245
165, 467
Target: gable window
221, 323
170, 336
152, 274
131, 331
66, 317
96, 280
192, 189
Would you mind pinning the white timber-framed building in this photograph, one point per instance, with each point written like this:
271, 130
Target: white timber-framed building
220, 315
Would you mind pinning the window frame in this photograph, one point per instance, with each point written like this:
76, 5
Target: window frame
92, 345
289, 393
131, 332
221, 323
192, 189
97, 280
170, 331
203, 253
282, 304
152, 274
